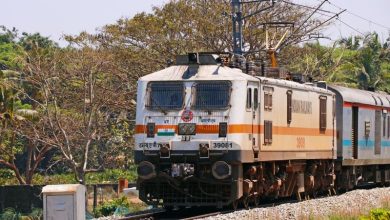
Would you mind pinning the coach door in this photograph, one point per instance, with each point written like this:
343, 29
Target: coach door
355, 131
252, 105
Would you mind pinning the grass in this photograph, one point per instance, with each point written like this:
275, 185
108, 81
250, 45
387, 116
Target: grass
378, 213
118, 206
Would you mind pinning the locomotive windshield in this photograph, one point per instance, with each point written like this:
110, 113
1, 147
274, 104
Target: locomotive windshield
211, 95
165, 95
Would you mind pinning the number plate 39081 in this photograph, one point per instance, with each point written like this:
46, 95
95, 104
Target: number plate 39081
221, 145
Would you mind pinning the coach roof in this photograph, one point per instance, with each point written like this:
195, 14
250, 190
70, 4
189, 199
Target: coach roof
362, 96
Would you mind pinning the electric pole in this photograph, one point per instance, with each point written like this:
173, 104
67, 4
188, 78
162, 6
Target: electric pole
237, 26
238, 18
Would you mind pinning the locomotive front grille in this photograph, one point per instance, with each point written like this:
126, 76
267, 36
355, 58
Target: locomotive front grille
162, 192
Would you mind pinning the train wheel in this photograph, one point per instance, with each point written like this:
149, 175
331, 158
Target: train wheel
245, 202
299, 198
168, 208
334, 191
256, 200
235, 204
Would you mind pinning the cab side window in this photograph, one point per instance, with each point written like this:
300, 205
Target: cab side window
249, 98
267, 132
268, 98
289, 106
255, 99
323, 100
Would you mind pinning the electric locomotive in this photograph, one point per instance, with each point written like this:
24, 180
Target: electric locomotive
216, 131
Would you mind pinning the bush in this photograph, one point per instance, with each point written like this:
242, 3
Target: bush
108, 208
9, 214
112, 175
380, 214
7, 177
36, 214
12, 214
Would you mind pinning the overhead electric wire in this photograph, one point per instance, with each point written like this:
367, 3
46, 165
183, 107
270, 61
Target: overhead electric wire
304, 22
380, 25
301, 25
337, 18
309, 7
359, 16
306, 32
346, 24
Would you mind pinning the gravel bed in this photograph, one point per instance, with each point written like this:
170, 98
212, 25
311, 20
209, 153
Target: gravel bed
355, 201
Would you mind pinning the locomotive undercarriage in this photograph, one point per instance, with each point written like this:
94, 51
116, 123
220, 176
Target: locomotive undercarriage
186, 192
186, 180
247, 183
304, 179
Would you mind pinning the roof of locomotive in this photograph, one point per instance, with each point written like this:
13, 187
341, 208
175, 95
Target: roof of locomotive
218, 72
200, 72
362, 96
294, 85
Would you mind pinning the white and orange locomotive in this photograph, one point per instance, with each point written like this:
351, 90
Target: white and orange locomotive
212, 135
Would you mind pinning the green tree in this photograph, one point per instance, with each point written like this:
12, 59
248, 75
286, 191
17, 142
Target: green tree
83, 104
16, 114
13, 115
9, 50
28, 41
359, 62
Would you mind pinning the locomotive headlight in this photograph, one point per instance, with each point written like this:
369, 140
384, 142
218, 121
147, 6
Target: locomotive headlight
187, 128
146, 170
221, 170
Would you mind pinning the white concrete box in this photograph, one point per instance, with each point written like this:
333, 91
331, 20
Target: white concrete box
64, 202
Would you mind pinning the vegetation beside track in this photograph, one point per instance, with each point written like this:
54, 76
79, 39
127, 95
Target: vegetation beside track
378, 213
107, 176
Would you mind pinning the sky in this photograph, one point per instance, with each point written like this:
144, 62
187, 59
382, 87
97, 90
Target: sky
53, 18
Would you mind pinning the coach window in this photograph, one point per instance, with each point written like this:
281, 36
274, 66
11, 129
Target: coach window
323, 113
384, 124
289, 106
255, 99
268, 98
388, 126
249, 98
378, 128
267, 132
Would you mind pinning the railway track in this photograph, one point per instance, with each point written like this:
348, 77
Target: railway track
193, 213
196, 213
190, 213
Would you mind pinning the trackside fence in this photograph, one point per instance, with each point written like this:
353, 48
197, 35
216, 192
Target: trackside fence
24, 198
